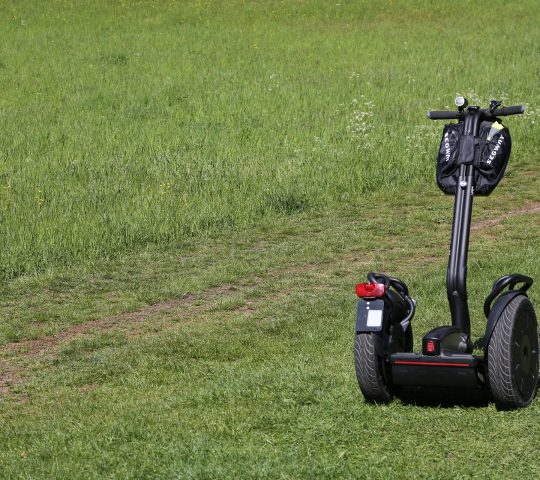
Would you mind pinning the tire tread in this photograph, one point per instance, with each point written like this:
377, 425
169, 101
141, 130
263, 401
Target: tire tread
499, 359
368, 370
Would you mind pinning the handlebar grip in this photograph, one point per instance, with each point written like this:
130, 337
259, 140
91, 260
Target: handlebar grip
514, 110
441, 115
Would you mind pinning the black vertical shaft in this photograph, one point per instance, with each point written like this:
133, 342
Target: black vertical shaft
456, 277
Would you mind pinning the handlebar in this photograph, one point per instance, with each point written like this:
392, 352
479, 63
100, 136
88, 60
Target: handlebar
442, 115
500, 112
505, 111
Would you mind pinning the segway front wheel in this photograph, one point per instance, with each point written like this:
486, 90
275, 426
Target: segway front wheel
369, 370
512, 357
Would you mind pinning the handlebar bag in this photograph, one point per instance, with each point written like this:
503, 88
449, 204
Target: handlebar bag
490, 164
491, 155
447, 160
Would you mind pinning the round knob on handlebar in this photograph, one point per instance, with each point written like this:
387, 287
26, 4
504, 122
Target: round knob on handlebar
461, 102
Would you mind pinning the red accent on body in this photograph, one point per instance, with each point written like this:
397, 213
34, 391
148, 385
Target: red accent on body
431, 364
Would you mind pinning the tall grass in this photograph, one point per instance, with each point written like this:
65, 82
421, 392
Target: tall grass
136, 123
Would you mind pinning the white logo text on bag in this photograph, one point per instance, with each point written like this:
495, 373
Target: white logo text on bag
447, 146
495, 150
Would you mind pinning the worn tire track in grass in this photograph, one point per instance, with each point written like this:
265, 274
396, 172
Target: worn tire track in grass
190, 306
178, 310
528, 209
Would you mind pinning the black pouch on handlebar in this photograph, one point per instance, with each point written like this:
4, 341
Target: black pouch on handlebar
491, 163
489, 153
447, 160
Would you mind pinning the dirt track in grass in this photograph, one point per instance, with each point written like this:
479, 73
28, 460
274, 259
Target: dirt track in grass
528, 209
190, 305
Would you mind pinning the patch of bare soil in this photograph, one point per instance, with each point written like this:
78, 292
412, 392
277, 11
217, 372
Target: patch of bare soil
10, 375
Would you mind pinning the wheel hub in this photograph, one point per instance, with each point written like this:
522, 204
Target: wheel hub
525, 354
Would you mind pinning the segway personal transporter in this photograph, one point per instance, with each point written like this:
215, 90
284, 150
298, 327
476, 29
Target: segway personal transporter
471, 161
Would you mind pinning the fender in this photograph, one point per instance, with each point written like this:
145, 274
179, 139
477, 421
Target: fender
372, 317
377, 316
496, 312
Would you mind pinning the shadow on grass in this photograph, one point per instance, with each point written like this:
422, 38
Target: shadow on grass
445, 397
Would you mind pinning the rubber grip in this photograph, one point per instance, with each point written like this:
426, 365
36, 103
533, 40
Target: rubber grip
514, 110
441, 115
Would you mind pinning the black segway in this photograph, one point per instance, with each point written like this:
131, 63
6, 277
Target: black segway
472, 159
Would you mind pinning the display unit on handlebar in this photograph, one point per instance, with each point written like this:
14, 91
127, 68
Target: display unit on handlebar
507, 369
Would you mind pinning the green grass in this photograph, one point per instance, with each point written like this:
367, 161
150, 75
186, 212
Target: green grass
209, 388
183, 200
141, 123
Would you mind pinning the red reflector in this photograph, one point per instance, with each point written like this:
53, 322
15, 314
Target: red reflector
430, 346
370, 290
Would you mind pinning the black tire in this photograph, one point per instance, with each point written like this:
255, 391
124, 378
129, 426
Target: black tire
369, 370
512, 356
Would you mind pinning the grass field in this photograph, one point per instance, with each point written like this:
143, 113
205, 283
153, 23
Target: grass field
188, 193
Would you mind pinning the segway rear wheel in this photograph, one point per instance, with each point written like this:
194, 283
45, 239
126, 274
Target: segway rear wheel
369, 370
512, 357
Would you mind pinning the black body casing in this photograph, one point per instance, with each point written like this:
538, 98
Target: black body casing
445, 339
450, 370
